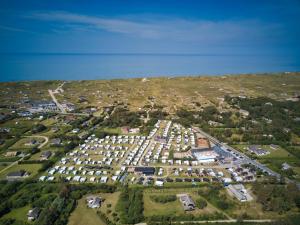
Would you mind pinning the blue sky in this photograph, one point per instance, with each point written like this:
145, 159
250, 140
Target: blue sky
140, 26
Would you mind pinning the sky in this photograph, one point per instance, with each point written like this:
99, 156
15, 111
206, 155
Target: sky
151, 27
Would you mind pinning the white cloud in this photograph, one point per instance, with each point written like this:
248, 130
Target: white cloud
175, 29
14, 29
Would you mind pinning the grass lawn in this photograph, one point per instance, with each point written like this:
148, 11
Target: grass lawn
37, 155
172, 208
4, 164
19, 213
112, 199
31, 168
22, 143
48, 122
18, 126
83, 215
112, 130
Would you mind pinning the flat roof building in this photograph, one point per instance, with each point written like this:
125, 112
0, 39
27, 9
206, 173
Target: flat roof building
145, 170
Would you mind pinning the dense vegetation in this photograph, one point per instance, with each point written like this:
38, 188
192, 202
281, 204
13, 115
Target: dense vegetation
122, 117
213, 195
163, 198
278, 198
130, 206
56, 201
201, 203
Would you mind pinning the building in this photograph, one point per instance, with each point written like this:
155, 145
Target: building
244, 113
159, 183
93, 202
203, 143
16, 175
285, 166
43, 106
12, 153
45, 155
239, 191
161, 139
275, 147
205, 155
187, 202
33, 214
56, 141
257, 150
145, 170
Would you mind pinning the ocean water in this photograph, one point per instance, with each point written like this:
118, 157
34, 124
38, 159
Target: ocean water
15, 67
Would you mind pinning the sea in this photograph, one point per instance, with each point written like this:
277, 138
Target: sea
40, 66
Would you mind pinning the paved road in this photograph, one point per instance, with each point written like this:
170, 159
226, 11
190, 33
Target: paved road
61, 108
246, 159
225, 221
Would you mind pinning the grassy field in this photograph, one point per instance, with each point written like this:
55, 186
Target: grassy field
23, 143
110, 199
172, 93
19, 213
17, 126
172, 208
31, 168
83, 215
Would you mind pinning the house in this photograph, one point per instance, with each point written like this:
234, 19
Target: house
244, 113
56, 141
17, 175
32, 142
187, 202
33, 214
145, 170
285, 166
45, 155
93, 202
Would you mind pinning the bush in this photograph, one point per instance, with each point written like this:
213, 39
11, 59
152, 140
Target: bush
130, 206
201, 203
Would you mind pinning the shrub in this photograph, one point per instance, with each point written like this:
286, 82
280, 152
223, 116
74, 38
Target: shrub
201, 203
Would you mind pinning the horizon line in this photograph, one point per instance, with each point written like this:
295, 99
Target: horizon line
131, 53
